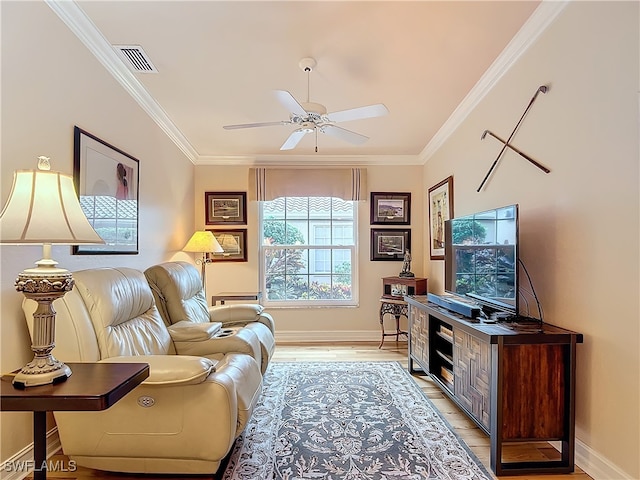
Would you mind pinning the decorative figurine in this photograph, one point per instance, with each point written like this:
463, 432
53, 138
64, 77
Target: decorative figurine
406, 265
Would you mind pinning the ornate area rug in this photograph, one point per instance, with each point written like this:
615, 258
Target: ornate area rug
347, 421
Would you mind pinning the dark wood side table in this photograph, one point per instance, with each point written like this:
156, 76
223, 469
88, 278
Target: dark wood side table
224, 296
92, 386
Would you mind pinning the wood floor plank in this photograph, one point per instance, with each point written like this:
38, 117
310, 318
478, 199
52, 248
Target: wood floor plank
466, 430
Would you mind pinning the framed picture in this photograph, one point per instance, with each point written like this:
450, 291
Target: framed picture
107, 180
390, 208
440, 210
389, 243
234, 243
225, 208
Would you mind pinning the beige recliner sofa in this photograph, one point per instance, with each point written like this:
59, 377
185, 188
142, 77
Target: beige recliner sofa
184, 418
177, 288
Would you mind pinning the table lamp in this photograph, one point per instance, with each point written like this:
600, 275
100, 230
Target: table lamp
203, 242
43, 208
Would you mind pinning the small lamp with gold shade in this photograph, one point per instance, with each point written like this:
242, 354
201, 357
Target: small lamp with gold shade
43, 208
203, 242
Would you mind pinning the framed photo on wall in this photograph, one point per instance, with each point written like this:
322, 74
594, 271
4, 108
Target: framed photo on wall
234, 243
225, 208
389, 243
390, 208
440, 210
107, 180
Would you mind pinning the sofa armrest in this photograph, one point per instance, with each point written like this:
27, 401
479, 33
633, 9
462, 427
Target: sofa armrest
171, 369
241, 311
186, 331
241, 314
233, 341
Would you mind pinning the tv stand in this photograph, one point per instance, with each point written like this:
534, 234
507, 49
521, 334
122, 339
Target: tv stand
516, 381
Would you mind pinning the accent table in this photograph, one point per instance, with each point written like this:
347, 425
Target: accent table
397, 308
224, 296
392, 300
91, 387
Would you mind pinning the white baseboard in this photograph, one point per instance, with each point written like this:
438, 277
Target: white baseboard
14, 467
597, 466
293, 336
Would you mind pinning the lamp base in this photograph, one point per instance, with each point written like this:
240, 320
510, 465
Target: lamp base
44, 285
33, 375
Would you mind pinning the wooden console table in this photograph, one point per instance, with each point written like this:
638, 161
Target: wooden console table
516, 381
91, 387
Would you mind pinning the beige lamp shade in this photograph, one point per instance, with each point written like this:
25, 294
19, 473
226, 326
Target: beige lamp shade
43, 208
203, 241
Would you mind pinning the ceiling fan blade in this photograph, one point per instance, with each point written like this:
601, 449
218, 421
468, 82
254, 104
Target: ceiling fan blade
251, 125
293, 139
369, 111
344, 134
290, 103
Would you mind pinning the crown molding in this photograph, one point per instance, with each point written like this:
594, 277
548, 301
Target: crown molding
315, 159
81, 25
539, 21
87, 32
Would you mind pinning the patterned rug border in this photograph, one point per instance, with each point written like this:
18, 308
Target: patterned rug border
226, 471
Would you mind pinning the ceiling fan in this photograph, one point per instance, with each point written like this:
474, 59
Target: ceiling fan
312, 117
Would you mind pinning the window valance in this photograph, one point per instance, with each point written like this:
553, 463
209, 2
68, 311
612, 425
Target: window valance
271, 183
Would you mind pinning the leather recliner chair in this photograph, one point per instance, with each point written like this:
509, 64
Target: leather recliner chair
184, 418
177, 288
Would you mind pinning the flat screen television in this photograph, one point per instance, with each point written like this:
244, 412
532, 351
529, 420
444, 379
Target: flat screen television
481, 258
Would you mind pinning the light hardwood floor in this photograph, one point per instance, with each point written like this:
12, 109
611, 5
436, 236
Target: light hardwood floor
477, 441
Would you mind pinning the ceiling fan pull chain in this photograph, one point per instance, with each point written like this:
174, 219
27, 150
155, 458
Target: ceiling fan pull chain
316, 129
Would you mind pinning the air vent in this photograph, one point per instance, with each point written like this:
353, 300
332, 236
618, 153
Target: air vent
136, 58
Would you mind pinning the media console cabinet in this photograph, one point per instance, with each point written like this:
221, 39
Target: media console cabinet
516, 381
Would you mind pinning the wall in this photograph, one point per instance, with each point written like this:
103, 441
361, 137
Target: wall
356, 323
579, 224
46, 90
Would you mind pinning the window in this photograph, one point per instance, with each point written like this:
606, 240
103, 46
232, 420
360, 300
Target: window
308, 252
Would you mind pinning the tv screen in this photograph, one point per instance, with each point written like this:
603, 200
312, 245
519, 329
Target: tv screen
481, 257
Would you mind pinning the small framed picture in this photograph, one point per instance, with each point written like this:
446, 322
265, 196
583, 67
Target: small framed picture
390, 243
390, 208
440, 210
234, 244
225, 208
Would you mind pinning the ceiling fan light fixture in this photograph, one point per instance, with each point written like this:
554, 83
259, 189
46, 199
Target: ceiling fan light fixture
307, 127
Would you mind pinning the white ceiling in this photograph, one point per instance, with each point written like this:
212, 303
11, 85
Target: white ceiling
218, 63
